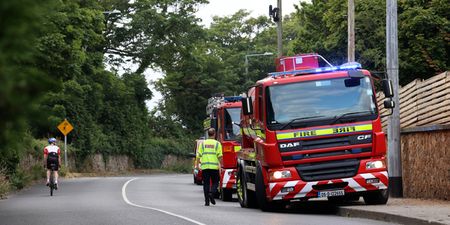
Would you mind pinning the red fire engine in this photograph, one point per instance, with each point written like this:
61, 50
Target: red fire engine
312, 132
224, 115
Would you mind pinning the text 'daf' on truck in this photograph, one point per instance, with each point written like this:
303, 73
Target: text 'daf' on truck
312, 131
224, 116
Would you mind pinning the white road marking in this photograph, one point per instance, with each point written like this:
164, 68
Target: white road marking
124, 195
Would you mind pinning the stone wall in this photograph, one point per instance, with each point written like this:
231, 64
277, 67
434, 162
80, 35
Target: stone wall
111, 163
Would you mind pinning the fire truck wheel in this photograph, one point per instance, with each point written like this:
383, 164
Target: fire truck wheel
264, 204
226, 195
246, 198
379, 197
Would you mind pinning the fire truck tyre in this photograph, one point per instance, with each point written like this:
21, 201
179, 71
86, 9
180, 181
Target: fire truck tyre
379, 197
226, 195
246, 198
264, 204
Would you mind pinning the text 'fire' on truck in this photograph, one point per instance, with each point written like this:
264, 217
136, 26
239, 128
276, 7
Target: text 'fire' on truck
224, 116
312, 132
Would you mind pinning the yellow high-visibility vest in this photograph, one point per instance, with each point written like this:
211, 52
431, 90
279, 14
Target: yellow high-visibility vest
209, 152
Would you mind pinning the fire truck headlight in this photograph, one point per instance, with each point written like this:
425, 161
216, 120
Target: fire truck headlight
375, 164
282, 174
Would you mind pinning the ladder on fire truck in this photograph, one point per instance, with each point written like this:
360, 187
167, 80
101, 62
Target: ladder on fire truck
215, 101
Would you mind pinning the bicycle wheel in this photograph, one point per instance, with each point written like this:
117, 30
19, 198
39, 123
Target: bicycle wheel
52, 183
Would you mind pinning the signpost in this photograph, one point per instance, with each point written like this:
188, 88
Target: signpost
65, 127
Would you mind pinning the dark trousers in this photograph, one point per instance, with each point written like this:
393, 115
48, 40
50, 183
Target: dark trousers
210, 182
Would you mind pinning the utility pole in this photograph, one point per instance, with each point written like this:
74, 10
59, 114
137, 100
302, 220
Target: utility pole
280, 30
351, 31
394, 147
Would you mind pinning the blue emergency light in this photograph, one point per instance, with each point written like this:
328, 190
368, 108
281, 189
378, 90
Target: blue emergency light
346, 66
232, 98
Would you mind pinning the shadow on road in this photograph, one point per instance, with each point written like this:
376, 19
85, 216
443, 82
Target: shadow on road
314, 207
311, 207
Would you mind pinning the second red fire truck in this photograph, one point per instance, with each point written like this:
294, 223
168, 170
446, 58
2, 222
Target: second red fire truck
224, 115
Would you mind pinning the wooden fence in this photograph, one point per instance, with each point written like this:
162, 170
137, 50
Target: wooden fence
425, 136
422, 102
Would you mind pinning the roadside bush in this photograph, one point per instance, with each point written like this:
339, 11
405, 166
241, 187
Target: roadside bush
63, 171
19, 179
37, 172
181, 166
153, 154
37, 148
4, 183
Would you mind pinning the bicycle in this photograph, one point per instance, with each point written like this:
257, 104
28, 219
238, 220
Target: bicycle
52, 184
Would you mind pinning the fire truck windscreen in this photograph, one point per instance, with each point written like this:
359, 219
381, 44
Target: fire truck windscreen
232, 117
320, 102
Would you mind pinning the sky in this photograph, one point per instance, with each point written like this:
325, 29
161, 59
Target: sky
228, 7
224, 8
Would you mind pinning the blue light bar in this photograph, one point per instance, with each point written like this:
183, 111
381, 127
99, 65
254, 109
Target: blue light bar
350, 66
346, 66
232, 98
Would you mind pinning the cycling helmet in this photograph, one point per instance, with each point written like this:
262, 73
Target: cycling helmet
51, 140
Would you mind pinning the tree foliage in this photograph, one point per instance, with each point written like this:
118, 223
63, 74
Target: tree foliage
151, 33
423, 29
215, 65
21, 83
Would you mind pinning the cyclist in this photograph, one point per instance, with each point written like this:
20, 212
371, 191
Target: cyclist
52, 158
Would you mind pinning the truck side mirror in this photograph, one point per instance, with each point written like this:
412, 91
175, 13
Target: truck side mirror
389, 104
387, 88
247, 106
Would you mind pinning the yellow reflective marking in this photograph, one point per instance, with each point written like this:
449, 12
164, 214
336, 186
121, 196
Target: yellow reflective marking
237, 148
326, 131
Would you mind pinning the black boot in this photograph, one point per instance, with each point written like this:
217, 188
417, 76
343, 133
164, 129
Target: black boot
211, 198
206, 195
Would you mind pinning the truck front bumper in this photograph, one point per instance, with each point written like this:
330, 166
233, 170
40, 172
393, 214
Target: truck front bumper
298, 189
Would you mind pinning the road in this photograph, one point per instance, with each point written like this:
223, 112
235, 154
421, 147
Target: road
154, 199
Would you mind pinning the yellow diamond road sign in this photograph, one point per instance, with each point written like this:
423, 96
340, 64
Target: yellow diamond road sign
65, 127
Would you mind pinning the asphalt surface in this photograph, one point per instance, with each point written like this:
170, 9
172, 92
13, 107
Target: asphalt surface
155, 199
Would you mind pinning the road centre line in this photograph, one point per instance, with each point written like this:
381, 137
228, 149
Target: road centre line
124, 195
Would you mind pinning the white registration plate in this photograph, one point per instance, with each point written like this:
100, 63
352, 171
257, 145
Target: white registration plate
334, 193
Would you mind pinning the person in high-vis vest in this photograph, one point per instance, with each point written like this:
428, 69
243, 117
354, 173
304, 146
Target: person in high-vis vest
210, 155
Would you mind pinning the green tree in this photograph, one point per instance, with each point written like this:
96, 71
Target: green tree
424, 31
108, 111
21, 83
151, 33
215, 65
